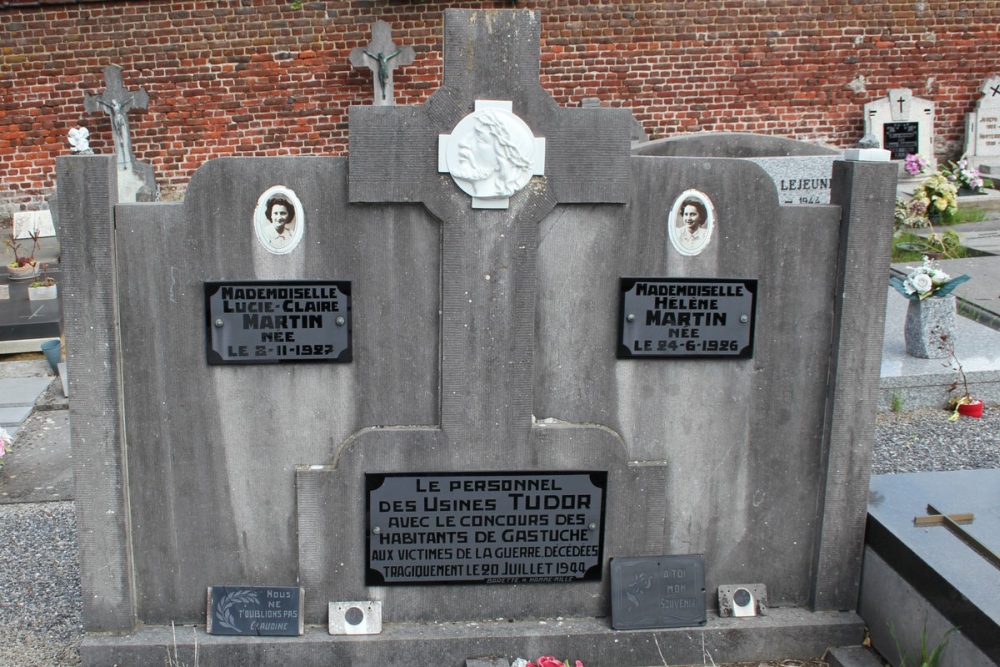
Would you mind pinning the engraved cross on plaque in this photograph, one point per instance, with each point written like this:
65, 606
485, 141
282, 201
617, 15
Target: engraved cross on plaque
382, 56
901, 100
117, 102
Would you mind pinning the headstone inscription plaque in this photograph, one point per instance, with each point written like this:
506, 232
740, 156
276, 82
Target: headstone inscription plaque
260, 322
663, 592
493, 528
687, 317
255, 610
901, 139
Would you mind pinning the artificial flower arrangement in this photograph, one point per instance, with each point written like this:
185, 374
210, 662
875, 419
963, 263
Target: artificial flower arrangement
966, 177
545, 661
925, 281
938, 194
915, 164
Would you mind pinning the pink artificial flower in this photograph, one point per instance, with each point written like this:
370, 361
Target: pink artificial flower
549, 661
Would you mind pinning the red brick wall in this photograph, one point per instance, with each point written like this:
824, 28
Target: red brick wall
259, 77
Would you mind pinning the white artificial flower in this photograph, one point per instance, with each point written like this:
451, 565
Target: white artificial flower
938, 277
922, 283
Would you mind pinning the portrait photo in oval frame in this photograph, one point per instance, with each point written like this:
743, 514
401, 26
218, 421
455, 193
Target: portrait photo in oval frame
279, 220
691, 223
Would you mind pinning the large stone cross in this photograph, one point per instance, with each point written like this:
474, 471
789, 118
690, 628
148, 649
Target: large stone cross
117, 102
490, 133
382, 56
482, 131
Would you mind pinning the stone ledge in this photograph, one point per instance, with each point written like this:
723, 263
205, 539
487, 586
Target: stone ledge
784, 633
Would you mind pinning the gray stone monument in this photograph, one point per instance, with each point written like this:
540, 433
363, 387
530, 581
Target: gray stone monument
903, 124
382, 56
136, 181
982, 130
487, 237
801, 171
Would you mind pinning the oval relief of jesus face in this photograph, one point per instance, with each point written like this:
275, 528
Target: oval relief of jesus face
279, 220
491, 154
691, 222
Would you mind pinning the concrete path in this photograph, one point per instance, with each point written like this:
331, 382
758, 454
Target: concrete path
35, 411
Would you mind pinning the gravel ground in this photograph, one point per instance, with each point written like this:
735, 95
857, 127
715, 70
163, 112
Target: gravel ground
925, 440
40, 617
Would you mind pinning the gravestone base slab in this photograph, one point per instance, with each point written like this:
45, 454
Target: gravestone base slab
785, 633
919, 581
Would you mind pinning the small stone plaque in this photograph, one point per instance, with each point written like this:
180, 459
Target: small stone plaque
491, 528
285, 321
901, 139
255, 610
657, 592
687, 317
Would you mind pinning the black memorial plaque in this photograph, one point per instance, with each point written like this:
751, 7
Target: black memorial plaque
261, 322
493, 528
901, 139
255, 610
687, 317
657, 592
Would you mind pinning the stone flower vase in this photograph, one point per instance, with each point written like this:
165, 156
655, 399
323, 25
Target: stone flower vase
926, 322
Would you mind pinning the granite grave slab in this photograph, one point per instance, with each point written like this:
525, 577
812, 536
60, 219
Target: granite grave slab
937, 575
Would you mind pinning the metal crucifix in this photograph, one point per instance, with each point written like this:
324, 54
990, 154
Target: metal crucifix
382, 56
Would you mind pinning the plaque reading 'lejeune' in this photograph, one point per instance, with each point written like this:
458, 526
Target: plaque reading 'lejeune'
494, 528
687, 317
261, 322
255, 610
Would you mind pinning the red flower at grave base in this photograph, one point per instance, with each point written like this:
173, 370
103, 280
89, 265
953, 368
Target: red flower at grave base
549, 661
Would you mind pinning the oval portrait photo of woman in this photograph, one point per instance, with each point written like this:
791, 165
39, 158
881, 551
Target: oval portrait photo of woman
279, 220
691, 222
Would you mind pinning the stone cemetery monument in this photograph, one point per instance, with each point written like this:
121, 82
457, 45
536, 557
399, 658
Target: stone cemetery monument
982, 130
490, 385
801, 171
136, 181
903, 124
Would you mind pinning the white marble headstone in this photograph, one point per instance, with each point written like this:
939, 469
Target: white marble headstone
903, 124
982, 127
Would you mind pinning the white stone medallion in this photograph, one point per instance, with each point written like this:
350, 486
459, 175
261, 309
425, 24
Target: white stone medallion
491, 154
